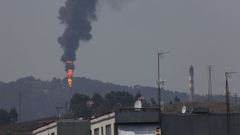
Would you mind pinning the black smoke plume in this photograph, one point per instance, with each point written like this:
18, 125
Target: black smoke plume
77, 16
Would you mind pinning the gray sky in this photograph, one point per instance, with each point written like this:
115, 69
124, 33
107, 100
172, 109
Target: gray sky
125, 42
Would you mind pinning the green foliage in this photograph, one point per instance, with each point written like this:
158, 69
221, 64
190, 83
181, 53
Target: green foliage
153, 102
99, 104
13, 115
4, 117
84, 106
78, 105
176, 99
119, 99
7, 118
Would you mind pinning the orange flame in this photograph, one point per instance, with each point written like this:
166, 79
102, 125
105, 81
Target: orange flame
70, 82
70, 73
69, 76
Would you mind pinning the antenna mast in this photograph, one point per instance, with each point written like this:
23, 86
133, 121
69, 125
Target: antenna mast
227, 76
209, 83
20, 106
236, 98
58, 108
159, 83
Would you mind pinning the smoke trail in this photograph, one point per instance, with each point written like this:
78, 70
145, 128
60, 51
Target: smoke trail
77, 15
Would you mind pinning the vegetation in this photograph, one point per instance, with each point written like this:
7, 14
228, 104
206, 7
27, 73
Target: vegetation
40, 98
8, 117
85, 106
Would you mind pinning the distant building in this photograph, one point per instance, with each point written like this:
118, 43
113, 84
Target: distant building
126, 122
64, 127
103, 125
145, 122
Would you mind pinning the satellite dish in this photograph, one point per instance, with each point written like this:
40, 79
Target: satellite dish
184, 109
138, 104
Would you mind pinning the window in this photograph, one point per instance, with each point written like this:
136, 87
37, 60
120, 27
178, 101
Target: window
108, 130
96, 131
101, 130
53, 133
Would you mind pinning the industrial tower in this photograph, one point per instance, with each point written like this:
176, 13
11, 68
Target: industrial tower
209, 83
191, 83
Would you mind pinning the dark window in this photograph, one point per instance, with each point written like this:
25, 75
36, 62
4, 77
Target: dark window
102, 130
108, 130
96, 131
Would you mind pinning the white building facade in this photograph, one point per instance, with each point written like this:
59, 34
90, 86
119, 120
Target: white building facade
123, 123
64, 127
103, 125
49, 129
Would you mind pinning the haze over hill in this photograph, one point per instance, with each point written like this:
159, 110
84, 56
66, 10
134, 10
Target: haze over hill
40, 98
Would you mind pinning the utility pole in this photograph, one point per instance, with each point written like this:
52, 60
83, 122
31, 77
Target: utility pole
209, 83
66, 107
236, 98
159, 83
227, 75
20, 106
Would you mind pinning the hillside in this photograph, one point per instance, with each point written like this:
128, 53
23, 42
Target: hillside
40, 98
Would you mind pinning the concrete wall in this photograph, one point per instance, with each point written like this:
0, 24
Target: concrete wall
101, 123
73, 127
141, 129
201, 124
137, 117
65, 127
182, 124
49, 129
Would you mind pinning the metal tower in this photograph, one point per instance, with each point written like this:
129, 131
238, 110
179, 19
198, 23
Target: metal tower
209, 83
159, 85
227, 75
191, 83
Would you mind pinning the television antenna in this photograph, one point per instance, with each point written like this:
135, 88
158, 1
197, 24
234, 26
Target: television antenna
159, 83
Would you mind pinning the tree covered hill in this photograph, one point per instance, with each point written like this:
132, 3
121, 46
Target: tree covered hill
39, 98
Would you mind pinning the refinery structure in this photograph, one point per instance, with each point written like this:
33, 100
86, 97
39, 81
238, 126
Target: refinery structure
136, 120
191, 84
108, 114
